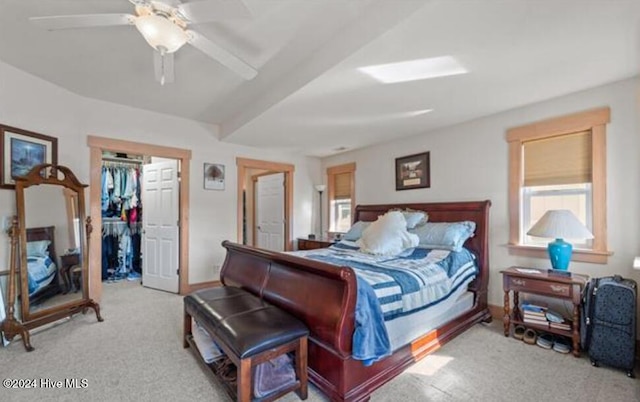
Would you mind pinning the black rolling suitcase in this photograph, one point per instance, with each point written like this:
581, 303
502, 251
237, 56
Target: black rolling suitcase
609, 322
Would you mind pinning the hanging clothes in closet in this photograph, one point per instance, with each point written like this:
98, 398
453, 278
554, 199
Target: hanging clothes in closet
121, 221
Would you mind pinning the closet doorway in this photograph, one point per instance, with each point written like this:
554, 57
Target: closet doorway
157, 179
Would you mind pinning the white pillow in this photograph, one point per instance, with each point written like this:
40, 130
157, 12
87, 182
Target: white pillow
387, 236
415, 218
38, 248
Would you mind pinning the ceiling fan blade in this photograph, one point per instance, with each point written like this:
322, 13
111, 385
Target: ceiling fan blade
213, 10
222, 56
163, 67
57, 22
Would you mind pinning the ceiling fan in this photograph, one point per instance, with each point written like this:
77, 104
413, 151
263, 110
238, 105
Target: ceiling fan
164, 25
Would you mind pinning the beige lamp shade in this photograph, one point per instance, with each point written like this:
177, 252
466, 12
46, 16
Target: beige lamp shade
560, 224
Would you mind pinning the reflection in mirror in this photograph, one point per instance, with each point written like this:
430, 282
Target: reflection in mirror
54, 269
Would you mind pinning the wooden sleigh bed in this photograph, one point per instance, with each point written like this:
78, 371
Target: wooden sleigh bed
324, 297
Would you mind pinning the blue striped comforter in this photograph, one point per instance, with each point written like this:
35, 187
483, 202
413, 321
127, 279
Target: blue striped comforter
40, 273
392, 287
412, 281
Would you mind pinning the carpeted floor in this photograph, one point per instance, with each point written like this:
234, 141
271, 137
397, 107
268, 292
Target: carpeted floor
136, 354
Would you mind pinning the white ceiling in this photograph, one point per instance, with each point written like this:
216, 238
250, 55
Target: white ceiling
308, 95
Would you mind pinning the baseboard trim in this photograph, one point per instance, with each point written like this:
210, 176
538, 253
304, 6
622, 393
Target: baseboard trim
497, 312
192, 287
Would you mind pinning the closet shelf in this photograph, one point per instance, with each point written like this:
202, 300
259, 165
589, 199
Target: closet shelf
119, 227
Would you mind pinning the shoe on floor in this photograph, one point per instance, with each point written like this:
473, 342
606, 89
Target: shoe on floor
529, 336
518, 332
545, 341
562, 345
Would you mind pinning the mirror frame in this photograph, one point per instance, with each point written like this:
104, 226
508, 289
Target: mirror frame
50, 174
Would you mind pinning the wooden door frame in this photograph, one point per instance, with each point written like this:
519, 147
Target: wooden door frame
99, 144
276, 167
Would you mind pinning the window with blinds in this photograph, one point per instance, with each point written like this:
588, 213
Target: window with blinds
557, 175
559, 163
341, 194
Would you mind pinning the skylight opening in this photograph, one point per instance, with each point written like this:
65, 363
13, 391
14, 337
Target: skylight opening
414, 70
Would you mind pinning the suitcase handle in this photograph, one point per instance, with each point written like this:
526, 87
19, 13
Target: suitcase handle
617, 278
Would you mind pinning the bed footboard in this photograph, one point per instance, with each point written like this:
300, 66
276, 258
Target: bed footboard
322, 296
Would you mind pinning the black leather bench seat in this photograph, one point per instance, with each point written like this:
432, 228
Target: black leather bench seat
246, 323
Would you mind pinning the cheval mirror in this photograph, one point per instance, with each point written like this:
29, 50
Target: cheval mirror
50, 236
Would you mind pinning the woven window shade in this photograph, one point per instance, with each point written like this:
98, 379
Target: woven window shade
342, 188
564, 159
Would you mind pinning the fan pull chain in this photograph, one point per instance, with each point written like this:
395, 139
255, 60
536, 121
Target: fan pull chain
163, 52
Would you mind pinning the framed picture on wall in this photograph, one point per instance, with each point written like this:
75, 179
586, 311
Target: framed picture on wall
413, 171
21, 150
213, 176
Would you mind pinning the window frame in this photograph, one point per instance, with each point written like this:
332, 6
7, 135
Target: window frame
591, 120
332, 171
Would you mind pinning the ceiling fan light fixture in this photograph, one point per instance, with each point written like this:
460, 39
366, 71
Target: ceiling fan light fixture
159, 32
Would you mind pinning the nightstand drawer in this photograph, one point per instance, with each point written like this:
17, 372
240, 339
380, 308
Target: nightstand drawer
540, 287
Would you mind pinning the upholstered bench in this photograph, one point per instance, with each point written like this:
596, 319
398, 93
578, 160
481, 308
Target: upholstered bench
249, 331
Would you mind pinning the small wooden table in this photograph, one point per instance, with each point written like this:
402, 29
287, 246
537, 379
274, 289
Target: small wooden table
541, 282
312, 244
68, 261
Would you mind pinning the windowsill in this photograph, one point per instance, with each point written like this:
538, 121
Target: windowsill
581, 255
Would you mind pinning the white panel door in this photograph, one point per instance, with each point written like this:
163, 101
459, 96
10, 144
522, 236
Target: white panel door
270, 212
160, 239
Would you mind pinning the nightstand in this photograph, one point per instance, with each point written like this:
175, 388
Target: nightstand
312, 244
541, 282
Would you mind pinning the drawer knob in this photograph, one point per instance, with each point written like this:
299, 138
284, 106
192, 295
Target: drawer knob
560, 289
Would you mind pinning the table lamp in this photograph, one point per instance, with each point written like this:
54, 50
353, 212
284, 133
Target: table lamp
560, 224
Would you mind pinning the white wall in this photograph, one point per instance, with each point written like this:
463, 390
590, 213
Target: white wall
470, 162
33, 104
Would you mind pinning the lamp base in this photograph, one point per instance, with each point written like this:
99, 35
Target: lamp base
560, 254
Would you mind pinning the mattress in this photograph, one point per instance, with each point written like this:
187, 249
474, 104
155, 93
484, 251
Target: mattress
404, 330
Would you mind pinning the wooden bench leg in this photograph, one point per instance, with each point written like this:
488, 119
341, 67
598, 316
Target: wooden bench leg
244, 380
301, 367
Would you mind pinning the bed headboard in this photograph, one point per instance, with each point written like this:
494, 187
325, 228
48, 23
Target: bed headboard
44, 233
476, 211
